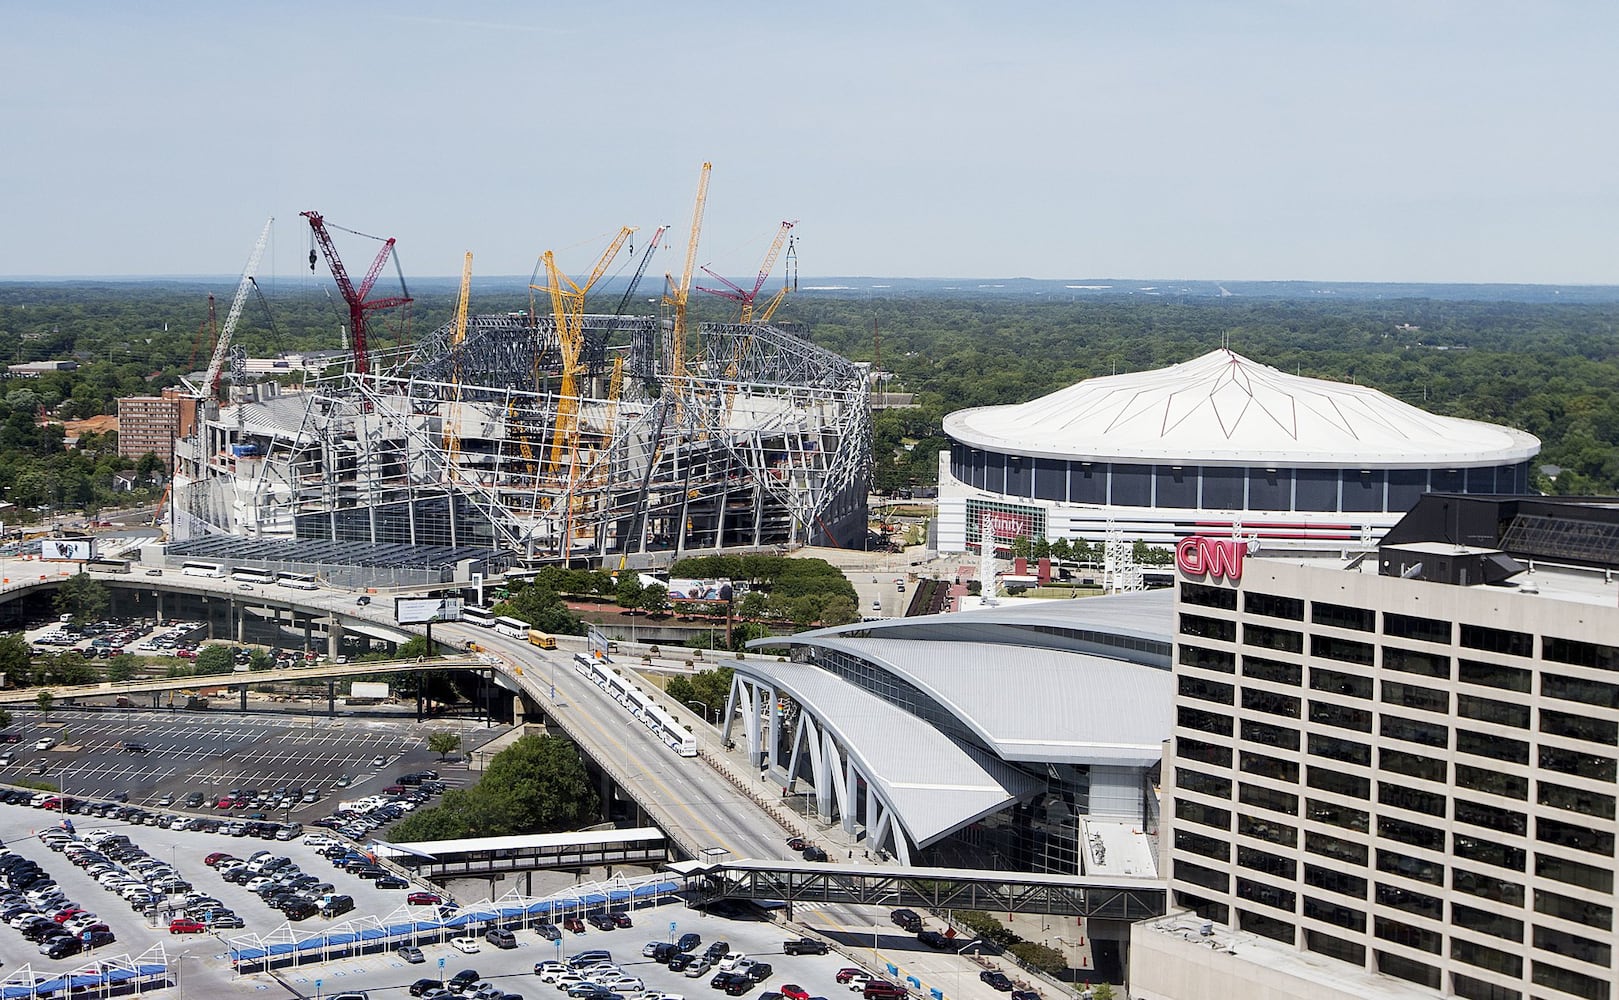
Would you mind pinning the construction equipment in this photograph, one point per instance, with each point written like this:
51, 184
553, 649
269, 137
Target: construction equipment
458, 334
789, 283
640, 269
677, 295
358, 303
216, 365
736, 293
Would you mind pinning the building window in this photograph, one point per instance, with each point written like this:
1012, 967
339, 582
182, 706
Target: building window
1410, 970
1420, 629
1494, 675
1221, 629
1339, 682
1579, 727
1412, 731
1482, 957
1578, 911
1334, 780
1411, 661
1208, 659
1204, 908
1203, 753
1412, 765
1334, 847
1469, 988
1334, 913
1267, 798
1205, 596
1273, 606
1581, 837
1580, 654
1577, 983
1344, 650
1585, 765
1491, 817
1409, 901
1268, 767
1339, 616
1573, 945
1264, 861
1197, 843
1574, 872
1597, 694
1335, 947
1502, 713
1203, 784
1409, 935
1488, 852
1328, 714
1492, 780
1333, 880
1270, 702
1205, 690
1332, 747
1198, 875
1265, 894
1261, 828
1275, 671
1487, 887
1486, 922
1207, 722
1414, 834
1412, 696
1265, 926
1336, 815
1413, 868
1271, 736
1575, 800
1265, 637
1197, 812
1498, 747
1413, 799
1497, 640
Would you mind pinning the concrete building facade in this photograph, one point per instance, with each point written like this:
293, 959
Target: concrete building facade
152, 423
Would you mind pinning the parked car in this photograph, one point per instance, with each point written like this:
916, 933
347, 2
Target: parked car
996, 980
424, 899
882, 989
412, 954
548, 931
793, 991
804, 946
573, 924
906, 920
186, 925
621, 919
601, 921
500, 937
689, 941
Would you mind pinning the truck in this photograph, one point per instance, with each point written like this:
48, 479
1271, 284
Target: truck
367, 693
804, 946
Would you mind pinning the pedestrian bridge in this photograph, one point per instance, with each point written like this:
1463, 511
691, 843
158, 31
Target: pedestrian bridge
443, 859
934, 888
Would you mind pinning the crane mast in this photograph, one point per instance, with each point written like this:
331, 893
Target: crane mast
358, 304
458, 334
216, 364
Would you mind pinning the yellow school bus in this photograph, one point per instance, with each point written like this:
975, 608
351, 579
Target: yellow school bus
544, 640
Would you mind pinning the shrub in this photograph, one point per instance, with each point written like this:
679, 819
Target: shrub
1039, 956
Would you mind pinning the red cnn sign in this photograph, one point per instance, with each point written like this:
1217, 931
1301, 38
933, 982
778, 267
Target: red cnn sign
1212, 557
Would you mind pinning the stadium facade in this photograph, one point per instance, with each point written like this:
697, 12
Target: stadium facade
1218, 445
756, 439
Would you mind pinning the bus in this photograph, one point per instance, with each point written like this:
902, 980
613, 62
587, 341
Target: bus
297, 581
474, 615
544, 640
512, 627
247, 574
214, 570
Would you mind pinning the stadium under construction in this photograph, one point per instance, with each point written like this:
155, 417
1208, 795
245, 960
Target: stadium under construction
556, 435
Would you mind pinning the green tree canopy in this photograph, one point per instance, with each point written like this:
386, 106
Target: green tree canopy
214, 659
15, 657
536, 785
443, 743
83, 597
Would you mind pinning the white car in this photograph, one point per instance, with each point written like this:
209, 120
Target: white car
469, 945
858, 981
732, 960
622, 984
548, 971
658, 995
44, 744
697, 970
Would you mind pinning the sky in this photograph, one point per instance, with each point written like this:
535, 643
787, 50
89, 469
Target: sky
1289, 140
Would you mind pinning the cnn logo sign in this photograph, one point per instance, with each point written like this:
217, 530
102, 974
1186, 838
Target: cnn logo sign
1216, 558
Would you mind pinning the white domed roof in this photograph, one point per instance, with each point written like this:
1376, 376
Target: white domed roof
1223, 409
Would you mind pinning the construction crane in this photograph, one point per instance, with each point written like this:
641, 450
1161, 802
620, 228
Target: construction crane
458, 334
676, 295
789, 283
216, 364
640, 269
568, 306
746, 296
358, 303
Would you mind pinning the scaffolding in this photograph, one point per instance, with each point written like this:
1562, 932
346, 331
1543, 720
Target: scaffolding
762, 442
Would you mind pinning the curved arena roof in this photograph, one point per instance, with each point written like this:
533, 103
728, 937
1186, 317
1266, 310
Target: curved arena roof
1223, 409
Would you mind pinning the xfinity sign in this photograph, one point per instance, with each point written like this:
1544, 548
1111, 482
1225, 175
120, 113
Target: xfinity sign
1215, 558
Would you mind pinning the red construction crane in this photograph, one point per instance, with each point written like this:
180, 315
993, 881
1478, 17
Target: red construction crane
359, 305
746, 296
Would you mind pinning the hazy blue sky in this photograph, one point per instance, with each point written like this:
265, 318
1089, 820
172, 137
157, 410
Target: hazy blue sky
1412, 141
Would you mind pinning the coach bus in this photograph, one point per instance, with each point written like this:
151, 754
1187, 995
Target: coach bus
512, 627
297, 581
544, 640
474, 615
214, 570
246, 574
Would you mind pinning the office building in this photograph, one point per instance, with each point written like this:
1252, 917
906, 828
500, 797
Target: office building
151, 424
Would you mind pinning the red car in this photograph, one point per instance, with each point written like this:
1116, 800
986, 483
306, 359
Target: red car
621, 919
574, 924
224, 804
849, 972
213, 860
793, 991
424, 899
186, 925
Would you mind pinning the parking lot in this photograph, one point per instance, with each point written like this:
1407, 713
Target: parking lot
213, 752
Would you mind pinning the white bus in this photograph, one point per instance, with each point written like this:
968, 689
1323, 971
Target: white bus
474, 615
247, 574
512, 627
214, 570
297, 581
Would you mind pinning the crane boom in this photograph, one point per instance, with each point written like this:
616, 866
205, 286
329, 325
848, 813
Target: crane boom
682, 291
458, 333
737, 293
640, 269
358, 304
216, 364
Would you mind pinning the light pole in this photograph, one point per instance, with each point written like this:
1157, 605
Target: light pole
694, 701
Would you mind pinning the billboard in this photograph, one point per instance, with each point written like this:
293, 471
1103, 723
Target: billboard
75, 549
420, 610
699, 590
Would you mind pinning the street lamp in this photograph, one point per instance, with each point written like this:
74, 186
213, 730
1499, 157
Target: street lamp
694, 701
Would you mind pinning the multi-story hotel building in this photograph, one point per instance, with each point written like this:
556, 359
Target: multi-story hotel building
151, 423
1397, 777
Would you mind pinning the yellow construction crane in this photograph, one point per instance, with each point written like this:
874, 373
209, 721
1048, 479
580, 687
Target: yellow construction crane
568, 306
678, 295
458, 335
